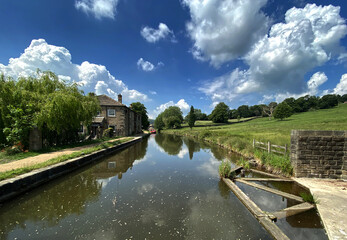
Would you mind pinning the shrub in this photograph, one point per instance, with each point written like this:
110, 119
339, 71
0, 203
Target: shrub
243, 163
204, 134
224, 169
108, 133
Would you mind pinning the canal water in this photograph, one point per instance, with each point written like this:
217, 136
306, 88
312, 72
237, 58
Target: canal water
165, 187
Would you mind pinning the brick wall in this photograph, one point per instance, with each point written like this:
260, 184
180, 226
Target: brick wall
319, 154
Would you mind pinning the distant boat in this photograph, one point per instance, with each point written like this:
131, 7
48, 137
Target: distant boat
153, 131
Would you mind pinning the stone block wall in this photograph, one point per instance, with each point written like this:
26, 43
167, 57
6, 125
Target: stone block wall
319, 154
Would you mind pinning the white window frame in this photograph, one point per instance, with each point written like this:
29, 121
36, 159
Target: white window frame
111, 115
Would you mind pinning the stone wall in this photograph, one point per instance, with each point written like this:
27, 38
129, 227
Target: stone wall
319, 154
35, 139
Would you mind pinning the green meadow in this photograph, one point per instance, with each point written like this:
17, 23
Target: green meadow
239, 136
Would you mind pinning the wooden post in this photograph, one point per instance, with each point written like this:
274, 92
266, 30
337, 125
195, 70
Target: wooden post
253, 143
268, 147
286, 149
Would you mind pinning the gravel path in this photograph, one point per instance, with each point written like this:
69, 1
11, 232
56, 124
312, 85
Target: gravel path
44, 157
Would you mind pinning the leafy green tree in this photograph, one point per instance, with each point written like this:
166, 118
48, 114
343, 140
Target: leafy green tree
191, 117
141, 109
199, 115
172, 117
55, 107
328, 101
244, 111
282, 111
159, 123
220, 113
269, 109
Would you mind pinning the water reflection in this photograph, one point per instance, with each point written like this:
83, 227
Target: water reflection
137, 193
171, 144
119, 164
48, 206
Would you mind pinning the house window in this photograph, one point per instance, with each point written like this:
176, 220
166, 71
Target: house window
111, 112
98, 114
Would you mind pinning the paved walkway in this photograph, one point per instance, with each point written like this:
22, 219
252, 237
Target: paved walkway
44, 157
332, 206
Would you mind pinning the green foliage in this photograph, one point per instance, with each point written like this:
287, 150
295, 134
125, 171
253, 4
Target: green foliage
191, 117
204, 134
224, 169
159, 123
282, 111
279, 162
170, 118
55, 107
328, 101
220, 113
243, 163
308, 197
108, 133
141, 109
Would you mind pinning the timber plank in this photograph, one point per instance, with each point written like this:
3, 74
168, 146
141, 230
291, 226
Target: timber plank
274, 191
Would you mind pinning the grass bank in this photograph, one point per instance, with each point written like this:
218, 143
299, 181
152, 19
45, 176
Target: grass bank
19, 171
6, 158
239, 137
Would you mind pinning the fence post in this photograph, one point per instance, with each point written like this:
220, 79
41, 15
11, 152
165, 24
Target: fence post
253, 143
286, 149
269, 147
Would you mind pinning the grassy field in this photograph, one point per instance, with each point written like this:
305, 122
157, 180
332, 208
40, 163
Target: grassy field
239, 136
210, 123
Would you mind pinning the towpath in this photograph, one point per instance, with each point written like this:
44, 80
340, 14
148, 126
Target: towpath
332, 206
26, 162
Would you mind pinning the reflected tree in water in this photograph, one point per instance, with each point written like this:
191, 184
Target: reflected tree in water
192, 146
51, 204
171, 144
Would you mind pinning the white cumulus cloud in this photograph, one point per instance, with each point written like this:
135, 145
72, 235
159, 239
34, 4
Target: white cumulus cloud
341, 87
182, 104
278, 62
99, 8
223, 30
43, 56
154, 35
313, 85
148, 66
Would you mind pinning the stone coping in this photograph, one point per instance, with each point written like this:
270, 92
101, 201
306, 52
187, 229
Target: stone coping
13, 187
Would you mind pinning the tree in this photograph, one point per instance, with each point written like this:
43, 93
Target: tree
220, 113
159, 123
141, 109
282, 111
328, 101
54, 106
172, 117
244, 111
269, 109
191, 117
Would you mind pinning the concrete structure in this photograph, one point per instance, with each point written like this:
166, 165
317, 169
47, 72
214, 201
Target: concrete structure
319, 154
114, 114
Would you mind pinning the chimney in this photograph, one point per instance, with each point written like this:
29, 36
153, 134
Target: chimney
120, 98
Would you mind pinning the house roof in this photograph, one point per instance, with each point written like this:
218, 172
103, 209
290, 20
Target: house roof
98, 119
107, 101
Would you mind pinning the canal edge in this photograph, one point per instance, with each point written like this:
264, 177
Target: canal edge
262, 217
13, 187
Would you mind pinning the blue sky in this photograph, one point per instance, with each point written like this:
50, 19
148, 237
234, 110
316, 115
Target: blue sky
181, 52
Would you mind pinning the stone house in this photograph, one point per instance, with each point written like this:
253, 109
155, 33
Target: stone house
114, 114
